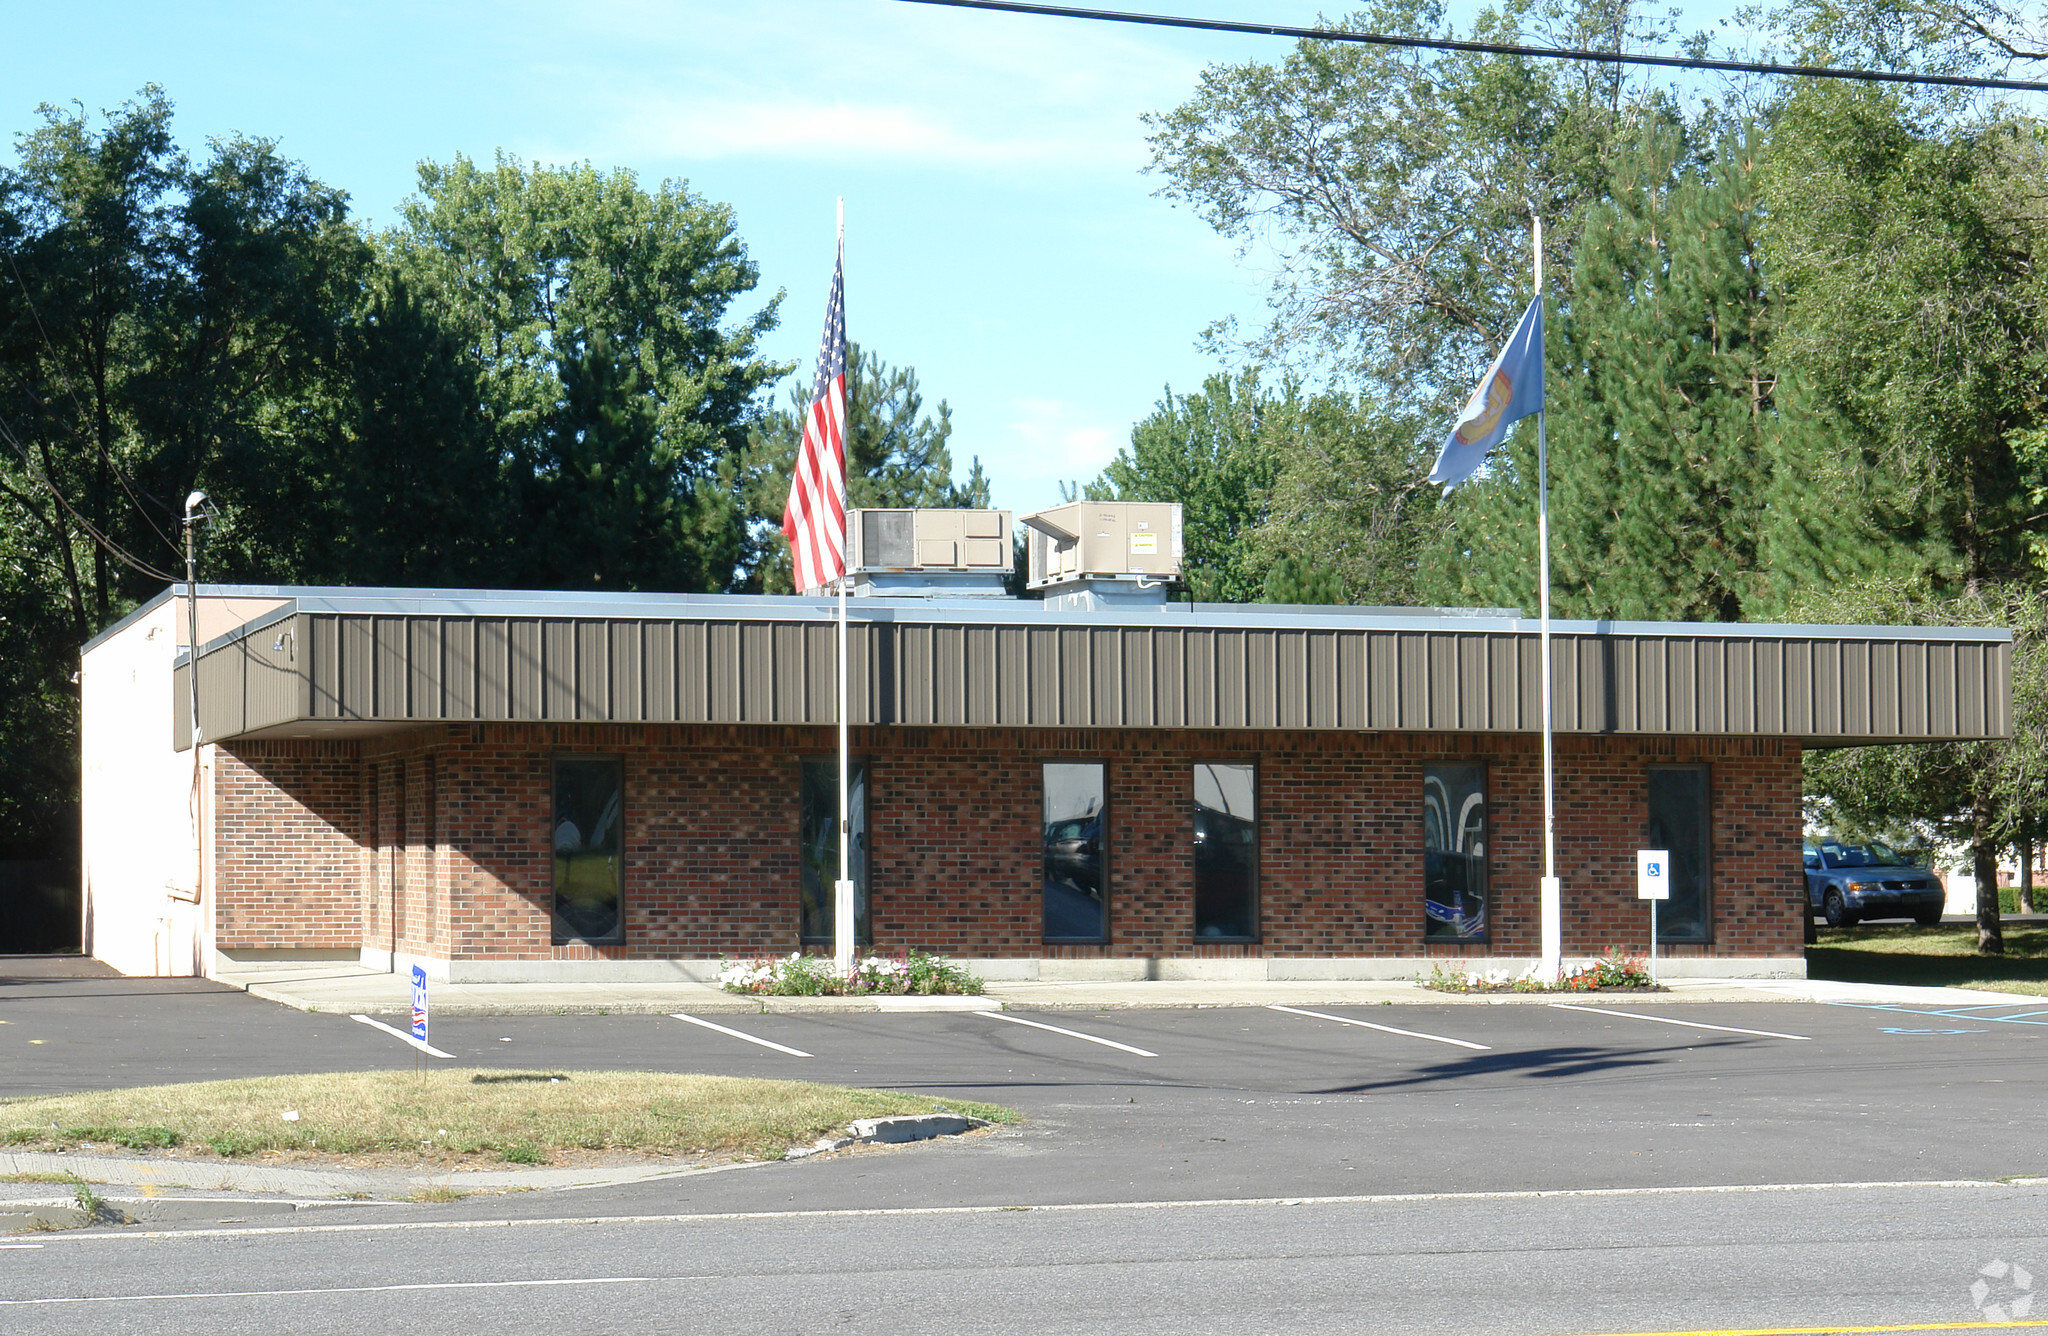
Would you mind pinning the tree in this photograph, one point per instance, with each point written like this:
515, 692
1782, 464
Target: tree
1212, 452
1661, 409
1396, 185
596, 312
162, 326
897, 455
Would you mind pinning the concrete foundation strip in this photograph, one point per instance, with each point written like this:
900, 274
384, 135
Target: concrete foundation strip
1071, 1034
397, 1033
1387, 1029
1673, 1020
739, 1034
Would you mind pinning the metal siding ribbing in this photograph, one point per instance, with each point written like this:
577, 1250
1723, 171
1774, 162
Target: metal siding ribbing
628, 669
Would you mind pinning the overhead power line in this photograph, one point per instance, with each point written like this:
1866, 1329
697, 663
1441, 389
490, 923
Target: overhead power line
1489, 48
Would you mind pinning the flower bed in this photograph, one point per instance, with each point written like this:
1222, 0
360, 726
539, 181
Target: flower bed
799, 975
1617, 971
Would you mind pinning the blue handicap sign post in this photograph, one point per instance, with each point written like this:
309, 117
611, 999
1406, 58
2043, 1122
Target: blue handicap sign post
419, 1005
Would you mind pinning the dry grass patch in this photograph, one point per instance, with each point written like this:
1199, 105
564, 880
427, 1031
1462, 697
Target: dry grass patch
518, 1117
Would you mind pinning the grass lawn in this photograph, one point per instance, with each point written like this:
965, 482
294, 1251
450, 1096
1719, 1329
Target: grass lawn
454, 1114
1944, 956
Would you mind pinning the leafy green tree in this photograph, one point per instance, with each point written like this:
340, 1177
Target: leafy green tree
897, 455
1213, 452
162, 326
1396, 185
612, 378
1661, 412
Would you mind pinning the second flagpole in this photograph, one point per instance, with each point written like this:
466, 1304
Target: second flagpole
1551, 966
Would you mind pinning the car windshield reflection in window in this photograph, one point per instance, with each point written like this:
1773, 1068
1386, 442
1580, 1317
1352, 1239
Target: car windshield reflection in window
1076, 889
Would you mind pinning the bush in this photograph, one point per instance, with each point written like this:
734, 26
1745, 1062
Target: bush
1616, 969
799, 975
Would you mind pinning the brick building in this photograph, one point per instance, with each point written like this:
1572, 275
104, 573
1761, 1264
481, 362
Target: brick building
510, 786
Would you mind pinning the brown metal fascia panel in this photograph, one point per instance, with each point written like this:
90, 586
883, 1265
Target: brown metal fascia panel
1076, 677
526, 670
393, 674
625, 689
1913, 703
949, 675
1199, 657
1319, 652
1653, 686
1282, 698
1135, 692
423, 669
1827, 689
1441, 704
1353, 652
458, 667
273, 680
658, 671
1503, 683
1261, 679
1169, 659
1382, 680
755, 674
1625, 653
1681, 684
693, 673
1886, 680
1998, 692
1475, 683
1230, 678
558, 664
1529, 654
1795, 686
1739, 703
722, 672
1105, 679
1710, 686
493, 668
181, 708
593, 676
1411, 682
323, 657
1013, 675
1975, 690
358, 667
818, 651
1942, 721
787, 668
981, 676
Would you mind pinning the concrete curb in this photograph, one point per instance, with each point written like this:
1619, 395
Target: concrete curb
223, 1176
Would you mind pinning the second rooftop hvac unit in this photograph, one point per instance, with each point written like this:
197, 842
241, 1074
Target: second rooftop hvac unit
929, 552
1097, 553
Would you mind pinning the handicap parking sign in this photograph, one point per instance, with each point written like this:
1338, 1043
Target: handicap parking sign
1653, 874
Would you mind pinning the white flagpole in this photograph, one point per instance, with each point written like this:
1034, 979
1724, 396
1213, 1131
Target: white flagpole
842, 890
1553, 911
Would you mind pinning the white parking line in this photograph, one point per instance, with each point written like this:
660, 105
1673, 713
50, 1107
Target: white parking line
1673, 1020
397, 1033
764, 1043
1387, 1029
1071, 1034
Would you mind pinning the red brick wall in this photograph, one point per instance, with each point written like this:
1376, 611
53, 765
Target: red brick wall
286, 847
711, 839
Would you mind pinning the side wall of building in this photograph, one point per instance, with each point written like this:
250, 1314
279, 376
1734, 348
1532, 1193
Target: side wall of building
451, 851
146, 910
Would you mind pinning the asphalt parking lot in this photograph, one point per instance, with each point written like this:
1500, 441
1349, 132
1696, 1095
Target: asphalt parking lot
1227, 1101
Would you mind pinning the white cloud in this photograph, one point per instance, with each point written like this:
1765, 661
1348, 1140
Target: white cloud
1046, 442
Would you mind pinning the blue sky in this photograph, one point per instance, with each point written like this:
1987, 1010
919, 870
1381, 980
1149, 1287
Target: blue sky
1002, 237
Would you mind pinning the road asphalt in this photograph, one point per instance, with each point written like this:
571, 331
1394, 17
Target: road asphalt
1654, 1164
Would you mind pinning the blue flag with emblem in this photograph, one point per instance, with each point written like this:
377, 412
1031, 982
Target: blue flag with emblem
1511, 390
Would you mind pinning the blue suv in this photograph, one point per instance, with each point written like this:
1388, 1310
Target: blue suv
1848, 883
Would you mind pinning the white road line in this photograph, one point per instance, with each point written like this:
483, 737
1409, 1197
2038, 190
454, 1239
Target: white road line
764, 1043
342, 1289
1673, 1020
873, 1212
1388, 1029
397, 1033
1071, 1034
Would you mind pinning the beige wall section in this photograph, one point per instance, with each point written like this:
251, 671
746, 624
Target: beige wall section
143, 912
218, 616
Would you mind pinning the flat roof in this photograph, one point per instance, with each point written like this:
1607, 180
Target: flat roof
879, 608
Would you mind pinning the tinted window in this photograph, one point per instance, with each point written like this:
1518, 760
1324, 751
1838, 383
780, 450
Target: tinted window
1226, 852
820, 839
1679, 824
1075, 814
1454, 897
589, 906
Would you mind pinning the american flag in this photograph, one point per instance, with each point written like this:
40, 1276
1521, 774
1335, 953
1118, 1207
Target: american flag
814, 521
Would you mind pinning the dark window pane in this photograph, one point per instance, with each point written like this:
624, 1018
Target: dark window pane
1076, 891
1226, 852
820, 837
1678, 823
588, 903
1454, 852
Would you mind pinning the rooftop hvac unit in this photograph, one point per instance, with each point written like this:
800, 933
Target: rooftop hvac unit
928, 551
1114, 546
